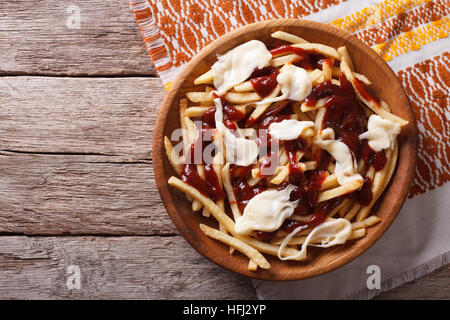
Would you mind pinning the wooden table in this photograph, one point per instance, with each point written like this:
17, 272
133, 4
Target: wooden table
76, 182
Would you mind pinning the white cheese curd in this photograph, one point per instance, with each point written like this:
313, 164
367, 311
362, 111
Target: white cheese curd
239, 151
346, 168
295, 84
236, 65
328, 233
381, 133
289, 129
266, 211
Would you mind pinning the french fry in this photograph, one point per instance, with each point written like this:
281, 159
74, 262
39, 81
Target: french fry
318, 120
196, 205
282, 174
253, 181
243, 247
385, 106
356, 234
255, 173
184, 132
242, 98
308, 165
171, 155
340, 191
213, 208
194, 112
270, 248
381, 180
200, 96
367, 222
280, 61
336, 72
329, 182
244, 86
217, 167
345, 57
288, 37
336, 82
356, 206
327, 69
177, 165
232, 97
191, 129
207, 103
230, 192
336, 210
373, 105
300, 114
205, 213
252, 266
260, 109
320, 48
300, 218
319, 104
348, 204
206, 78
282, 234
353, 211
362, 78
315, 75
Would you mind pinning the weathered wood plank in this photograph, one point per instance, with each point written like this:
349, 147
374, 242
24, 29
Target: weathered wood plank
112, 116
99, 179
108, 41
79, 195
113, 268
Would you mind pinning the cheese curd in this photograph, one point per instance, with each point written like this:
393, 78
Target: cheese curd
239, 151
381, 133
238, 64
266, 211
328, 233
346, 168
289, 129
295, 84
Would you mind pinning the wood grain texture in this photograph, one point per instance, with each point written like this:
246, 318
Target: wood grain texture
43, 194
113, 268
108, 41
111, 116
319, 261
76, 156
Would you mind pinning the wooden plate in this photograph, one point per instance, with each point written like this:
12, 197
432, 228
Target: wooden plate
385, 85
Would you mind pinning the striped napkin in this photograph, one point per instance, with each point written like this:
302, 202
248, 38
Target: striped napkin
412, 37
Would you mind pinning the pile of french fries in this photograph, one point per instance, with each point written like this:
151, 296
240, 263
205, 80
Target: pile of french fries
243, 97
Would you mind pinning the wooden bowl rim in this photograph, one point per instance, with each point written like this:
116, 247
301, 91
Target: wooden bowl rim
158, 154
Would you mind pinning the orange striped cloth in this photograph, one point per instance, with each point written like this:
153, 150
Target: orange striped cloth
411, 35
